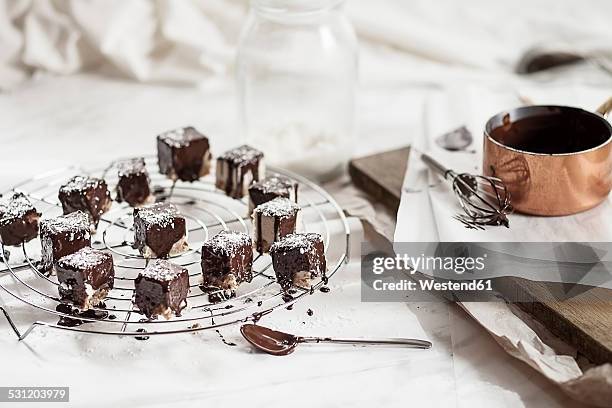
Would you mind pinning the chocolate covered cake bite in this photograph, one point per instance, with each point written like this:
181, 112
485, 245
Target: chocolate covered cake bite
159, 231
88, 194
161, 289
227, 259
63, 235
237, 169
18, 220
272, 221
133, 185
85, 277
183, 154
270, 188
298, 259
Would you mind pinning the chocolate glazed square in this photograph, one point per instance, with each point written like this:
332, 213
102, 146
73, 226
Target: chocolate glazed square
183, 155
89, 195
161, 289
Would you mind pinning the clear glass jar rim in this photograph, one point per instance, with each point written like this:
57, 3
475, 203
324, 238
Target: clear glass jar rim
295, 6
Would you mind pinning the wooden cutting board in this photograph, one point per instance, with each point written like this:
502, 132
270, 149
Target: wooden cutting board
584, 321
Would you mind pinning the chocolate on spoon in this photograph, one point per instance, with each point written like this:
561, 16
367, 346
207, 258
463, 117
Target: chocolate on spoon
280, 344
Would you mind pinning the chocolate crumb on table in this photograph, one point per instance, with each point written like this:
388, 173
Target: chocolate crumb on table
88, 194
183, 154
272, 221
237, 169
18, 220
161, 289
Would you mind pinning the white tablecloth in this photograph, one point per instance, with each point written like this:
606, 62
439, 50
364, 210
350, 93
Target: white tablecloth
409, 50
87, 120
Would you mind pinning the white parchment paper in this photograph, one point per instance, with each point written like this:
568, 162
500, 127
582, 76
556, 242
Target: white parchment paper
426, 212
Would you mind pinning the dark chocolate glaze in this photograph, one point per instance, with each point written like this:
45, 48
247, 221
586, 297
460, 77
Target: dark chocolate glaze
18, 221
268, 340
241, 161
551, 130
155, 293
298, 253
160, 237
227, 343
142, 338
57, 244
75, 321
227, 253
182, 157
74, 275
93, 198
282, 227
133, 185
219, 296
272, 187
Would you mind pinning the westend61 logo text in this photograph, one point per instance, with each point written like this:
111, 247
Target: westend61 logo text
475, 271
412, 264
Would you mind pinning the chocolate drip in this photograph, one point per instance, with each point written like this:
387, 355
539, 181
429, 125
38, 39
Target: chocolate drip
227, 343
75, 321
142, 338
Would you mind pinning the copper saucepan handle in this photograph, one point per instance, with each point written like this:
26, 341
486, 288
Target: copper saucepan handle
605, 108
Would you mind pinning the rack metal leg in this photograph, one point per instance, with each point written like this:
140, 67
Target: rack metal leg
15, 329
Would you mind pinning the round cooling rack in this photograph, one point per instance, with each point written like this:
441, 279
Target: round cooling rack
207, 211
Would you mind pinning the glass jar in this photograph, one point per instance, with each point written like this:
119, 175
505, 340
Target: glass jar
297, 76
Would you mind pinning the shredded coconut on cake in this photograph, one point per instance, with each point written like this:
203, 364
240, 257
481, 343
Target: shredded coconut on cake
274, 184
16, 207
161, 214
303, 241
80, 183
73, 222
84, 258
180, 137
228, 242
131, 167
279, 207
241, 155
162, 270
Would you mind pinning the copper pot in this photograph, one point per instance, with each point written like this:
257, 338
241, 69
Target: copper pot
555, 160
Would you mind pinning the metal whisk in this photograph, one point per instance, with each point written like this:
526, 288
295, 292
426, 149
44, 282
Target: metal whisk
485, 200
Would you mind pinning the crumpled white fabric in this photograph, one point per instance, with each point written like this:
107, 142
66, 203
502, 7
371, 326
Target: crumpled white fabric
188, 41
161, 40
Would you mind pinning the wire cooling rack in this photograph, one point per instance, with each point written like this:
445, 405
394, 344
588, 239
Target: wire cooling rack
207, 211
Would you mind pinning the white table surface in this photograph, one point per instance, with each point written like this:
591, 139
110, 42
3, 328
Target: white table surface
87, 120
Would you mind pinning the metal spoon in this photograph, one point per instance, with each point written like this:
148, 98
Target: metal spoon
280, 344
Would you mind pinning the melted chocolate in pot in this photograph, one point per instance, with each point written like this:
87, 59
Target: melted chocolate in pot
562, 130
